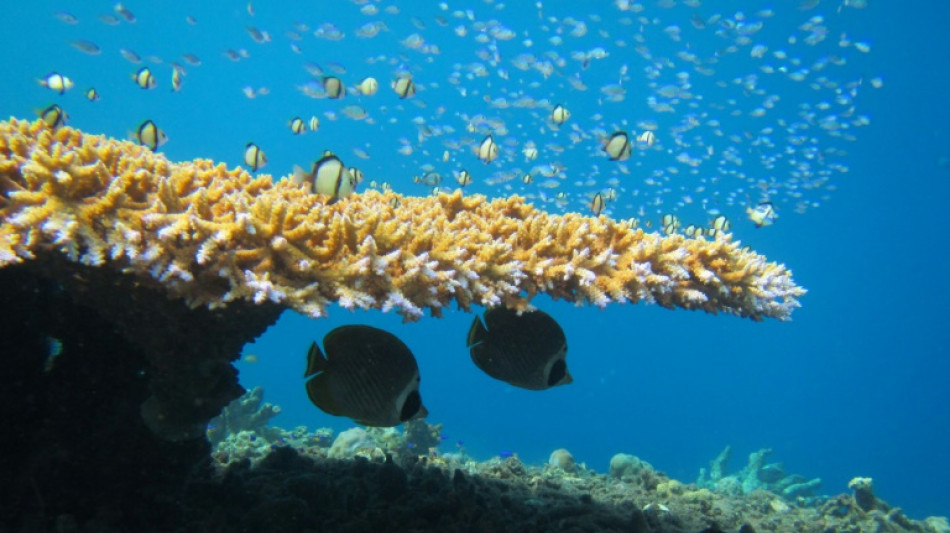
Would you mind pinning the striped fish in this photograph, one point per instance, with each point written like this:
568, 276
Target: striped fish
368, 375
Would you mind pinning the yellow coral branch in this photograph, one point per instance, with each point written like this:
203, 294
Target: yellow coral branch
212, 235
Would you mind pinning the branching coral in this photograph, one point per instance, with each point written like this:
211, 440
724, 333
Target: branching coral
212, 235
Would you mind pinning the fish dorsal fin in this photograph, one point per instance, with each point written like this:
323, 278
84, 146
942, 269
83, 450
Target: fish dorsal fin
476, 333
316, 361
300, 175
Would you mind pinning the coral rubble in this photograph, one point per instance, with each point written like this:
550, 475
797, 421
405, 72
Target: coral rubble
301, 484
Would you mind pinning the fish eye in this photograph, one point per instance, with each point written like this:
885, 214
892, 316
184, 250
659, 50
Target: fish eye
411, 406
558, 372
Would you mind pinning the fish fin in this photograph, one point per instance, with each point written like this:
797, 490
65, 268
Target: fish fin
476, 333
316, 361
300, 175
318, 390
422, 413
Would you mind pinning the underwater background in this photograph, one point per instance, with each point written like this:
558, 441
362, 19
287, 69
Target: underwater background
854, 385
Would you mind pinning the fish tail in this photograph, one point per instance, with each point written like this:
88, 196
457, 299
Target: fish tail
300, 175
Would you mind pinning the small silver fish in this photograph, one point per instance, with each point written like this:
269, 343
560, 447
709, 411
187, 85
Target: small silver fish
124, 12
87, 47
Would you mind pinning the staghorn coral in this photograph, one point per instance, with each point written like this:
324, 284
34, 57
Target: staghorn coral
212, 235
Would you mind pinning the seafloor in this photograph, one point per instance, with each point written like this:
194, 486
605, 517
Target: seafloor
109, 387
271, 479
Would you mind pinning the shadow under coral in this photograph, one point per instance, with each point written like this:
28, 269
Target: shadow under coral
84, 349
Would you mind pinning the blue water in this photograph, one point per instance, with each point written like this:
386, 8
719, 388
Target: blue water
854, 385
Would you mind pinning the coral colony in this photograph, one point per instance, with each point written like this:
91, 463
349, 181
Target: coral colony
211, 235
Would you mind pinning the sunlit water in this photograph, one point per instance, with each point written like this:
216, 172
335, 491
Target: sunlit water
807, 105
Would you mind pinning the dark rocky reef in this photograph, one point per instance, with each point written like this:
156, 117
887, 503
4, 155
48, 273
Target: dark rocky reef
106, 390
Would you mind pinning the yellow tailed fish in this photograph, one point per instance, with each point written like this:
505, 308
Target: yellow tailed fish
763, 214
488, 150
329, 177
597, 204
297, 126
368, 86
334, 87
149, 135
55, 81
144, 79
560, 114
254, 157
404, 87
463, 178
647, 138
618, 146
53, 116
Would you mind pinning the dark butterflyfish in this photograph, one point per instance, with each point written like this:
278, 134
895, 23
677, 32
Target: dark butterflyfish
527, 350
368, 375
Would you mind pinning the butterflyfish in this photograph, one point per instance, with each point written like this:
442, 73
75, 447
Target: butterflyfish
763, 214
150, 135
367, 374
254, 157
618, 146
329, 177
488, 150
527, 350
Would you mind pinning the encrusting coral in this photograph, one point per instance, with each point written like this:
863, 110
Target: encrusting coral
212, 235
